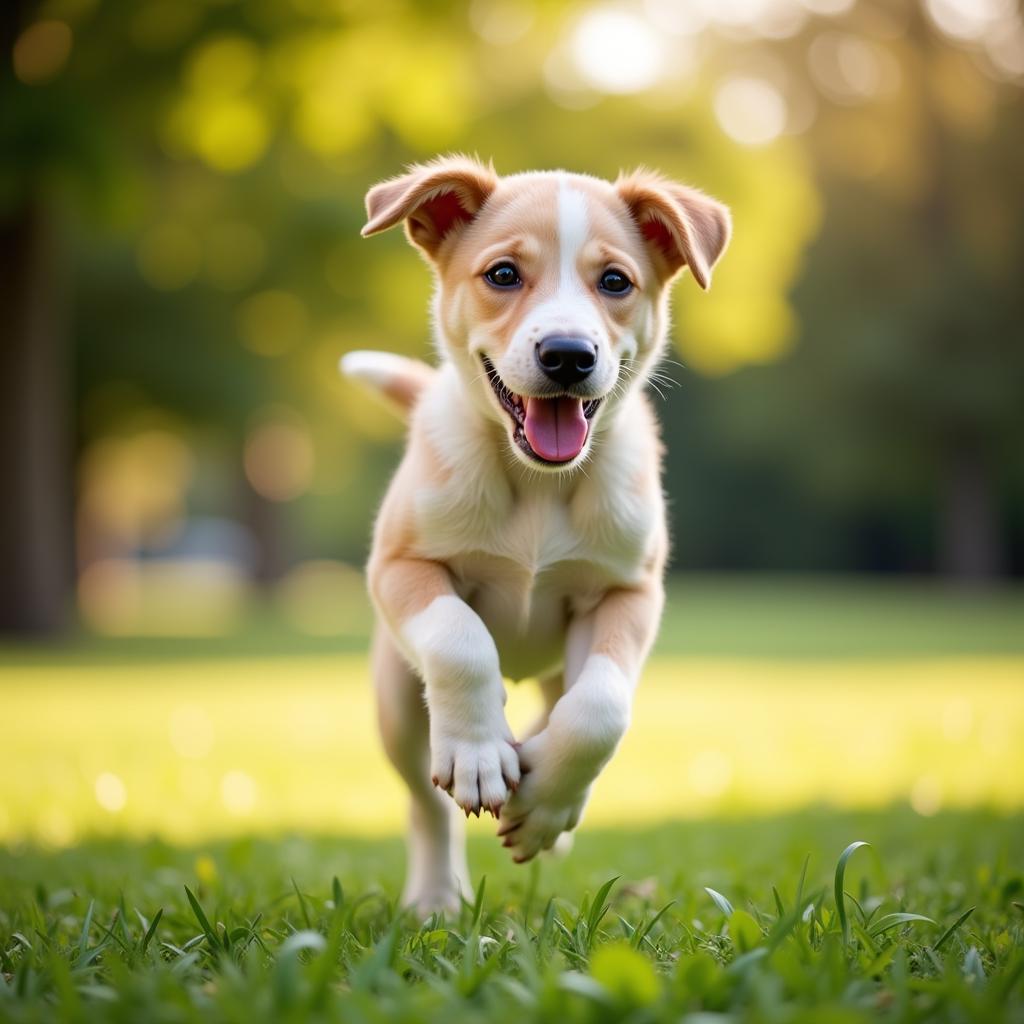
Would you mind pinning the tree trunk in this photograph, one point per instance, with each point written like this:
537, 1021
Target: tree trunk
36, 507
971, 538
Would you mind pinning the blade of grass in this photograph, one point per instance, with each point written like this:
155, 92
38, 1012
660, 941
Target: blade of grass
780, 908
640, 935
599, 907
204, 923
860, 910
844, 857
478, 901
883, 924
720, 901
151, 930
83, 941
800, 884
947, 934
302, 906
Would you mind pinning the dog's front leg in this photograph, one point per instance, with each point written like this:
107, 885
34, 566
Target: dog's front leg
605, 653
472, 755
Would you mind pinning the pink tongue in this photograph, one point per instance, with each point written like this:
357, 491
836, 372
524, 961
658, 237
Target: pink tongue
555, 427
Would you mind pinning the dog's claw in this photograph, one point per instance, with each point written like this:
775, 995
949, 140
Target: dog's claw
446, 787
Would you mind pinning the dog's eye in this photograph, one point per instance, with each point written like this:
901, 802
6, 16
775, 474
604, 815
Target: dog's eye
504, 275
614, 282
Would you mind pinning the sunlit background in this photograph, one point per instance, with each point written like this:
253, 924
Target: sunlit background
188, 485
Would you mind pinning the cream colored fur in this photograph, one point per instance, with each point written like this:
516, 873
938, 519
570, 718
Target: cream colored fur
488, 563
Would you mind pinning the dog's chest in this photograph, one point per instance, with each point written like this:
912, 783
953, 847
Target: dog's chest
528, 565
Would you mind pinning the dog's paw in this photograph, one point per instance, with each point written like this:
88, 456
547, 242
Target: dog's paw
538, 827
548, 803
479, 774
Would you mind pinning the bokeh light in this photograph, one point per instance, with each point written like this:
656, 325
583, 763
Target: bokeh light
163, 597
41, 51
684, 19
970, 19
501, 22
616, 51
238, 792
750, 110
926, 796
111, 794
133, 489
851, 69
279, 459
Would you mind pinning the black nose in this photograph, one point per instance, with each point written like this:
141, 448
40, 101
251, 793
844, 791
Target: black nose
566, 360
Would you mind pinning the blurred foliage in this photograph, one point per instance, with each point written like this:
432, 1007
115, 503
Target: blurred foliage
205, 163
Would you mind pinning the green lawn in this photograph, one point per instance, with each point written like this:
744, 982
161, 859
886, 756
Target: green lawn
253, 756
302, 928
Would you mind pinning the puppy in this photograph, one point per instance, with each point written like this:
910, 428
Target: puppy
523, 534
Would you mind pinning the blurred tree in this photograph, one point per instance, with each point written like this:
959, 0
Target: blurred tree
35, 457
209, 183
205, 188
901, 408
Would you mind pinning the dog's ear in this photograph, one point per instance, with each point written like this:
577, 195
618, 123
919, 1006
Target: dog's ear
433, 199
681, 225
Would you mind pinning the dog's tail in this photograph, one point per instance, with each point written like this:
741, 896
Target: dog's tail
399, 379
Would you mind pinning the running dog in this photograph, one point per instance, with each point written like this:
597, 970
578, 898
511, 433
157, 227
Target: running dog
524, 533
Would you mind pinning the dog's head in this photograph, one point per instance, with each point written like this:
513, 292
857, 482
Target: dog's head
552, 287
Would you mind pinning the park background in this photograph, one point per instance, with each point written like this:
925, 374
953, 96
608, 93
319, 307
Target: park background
189, 485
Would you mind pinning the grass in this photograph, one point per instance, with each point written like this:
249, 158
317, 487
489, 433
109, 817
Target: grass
189, 748
697, 922
206, 830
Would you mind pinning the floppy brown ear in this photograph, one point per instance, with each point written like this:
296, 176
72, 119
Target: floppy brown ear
433, 199
681, 225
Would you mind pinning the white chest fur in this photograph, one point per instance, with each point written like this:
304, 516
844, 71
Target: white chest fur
530, 551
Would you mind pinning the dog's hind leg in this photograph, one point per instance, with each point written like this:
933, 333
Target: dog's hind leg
551, 689
436, 872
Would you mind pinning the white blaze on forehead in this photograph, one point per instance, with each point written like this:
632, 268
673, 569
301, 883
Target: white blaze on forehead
572, 309
573, 225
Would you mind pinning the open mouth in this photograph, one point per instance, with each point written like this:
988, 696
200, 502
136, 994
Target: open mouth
552, 429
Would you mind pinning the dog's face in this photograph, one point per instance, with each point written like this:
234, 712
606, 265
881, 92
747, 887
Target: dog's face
552, 287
